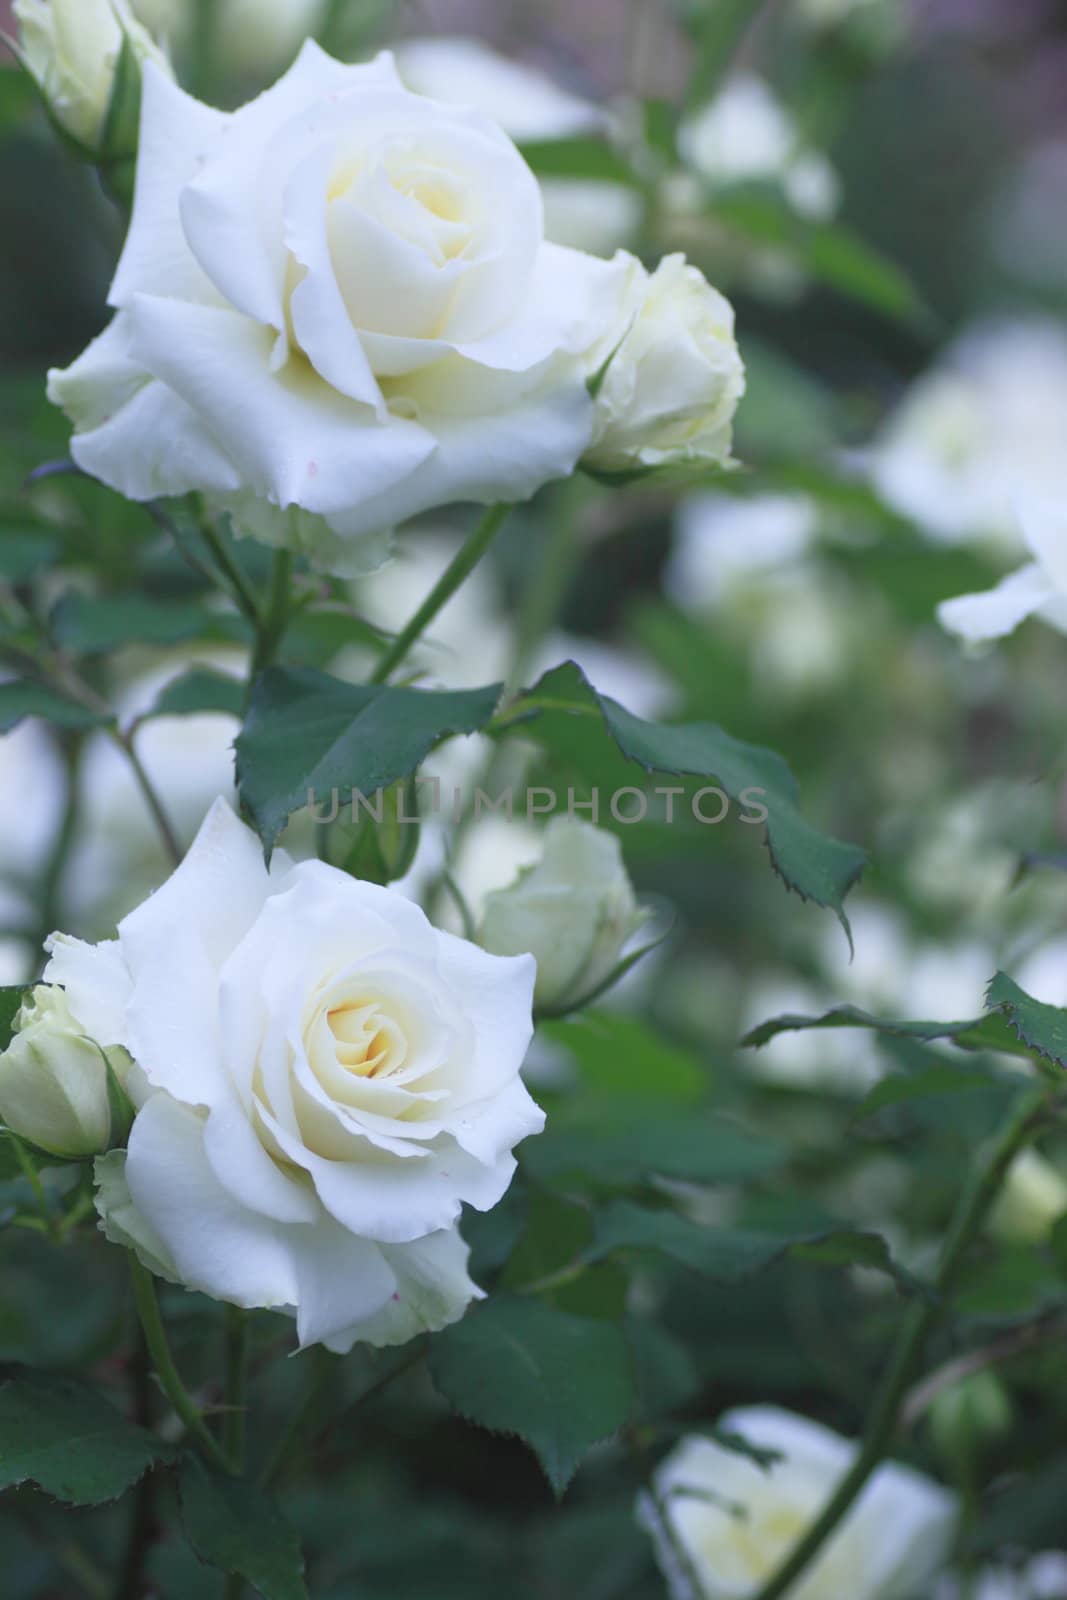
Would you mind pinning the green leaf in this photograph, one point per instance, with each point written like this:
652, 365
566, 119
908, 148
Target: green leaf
92, 624
587, 158
309, 732
65, 1437
23, 551
990, 1032
940, 1079
1041, 1028
565, 712
559, 1382
731, 1255
624, 1055
197, 691
11, 998
665, 1375
704, 1149
828, 251
234, 1526
21, 699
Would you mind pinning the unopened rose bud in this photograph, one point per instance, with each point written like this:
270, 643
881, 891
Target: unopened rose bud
573, 912
54, 1088
966, 1419
672, 384
73, 49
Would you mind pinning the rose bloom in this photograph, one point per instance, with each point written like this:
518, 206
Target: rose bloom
322, 1079
337, 308
736, 1521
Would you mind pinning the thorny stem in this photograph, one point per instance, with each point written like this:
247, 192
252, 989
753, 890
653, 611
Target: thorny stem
144, 1289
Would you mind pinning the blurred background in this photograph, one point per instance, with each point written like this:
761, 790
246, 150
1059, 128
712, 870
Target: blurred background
880, 186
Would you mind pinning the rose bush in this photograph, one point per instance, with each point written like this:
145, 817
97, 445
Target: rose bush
336, 308
322, 1079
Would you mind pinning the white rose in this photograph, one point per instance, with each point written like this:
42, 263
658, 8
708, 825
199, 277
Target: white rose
573, 911
53, 1079
339, 299
72, 48
675, 378
737, 1521
322, 1078
589, 213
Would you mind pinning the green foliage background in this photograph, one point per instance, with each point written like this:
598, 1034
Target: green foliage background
691, 1233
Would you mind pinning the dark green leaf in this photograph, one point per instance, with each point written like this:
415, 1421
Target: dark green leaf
90, 624
197, 691
704, 1149
564, 711
665, 1376
232, 1525
730, 1255
1041, 1028
590, 159
66, 1438
24, 552
559, 1382
11, 998
990, 1032
939, 1079
22, 699
307, 732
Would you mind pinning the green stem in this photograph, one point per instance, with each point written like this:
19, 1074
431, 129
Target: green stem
240, 589
144, 1289
920, 1321
152, 800
236, 1385
33, 1178
273, 622
460, 568
543, 597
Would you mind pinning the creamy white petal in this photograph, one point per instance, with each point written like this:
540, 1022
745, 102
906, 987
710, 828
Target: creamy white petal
175, 944
245, 1169
133, 433
396, 1201
528, 434
433, 1289
1044, 528
296, 441
218, 1245
499, 991
97, 983
178, 133
341, 1280
998, 611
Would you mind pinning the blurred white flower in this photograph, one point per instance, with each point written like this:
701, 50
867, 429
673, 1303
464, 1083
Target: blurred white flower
32, 797
118, 856
1032, 1198
587, 214
1037, 589
1043, 1577
720, 538
736, 1521
523, 101
746, 135
985, 425
248, 36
